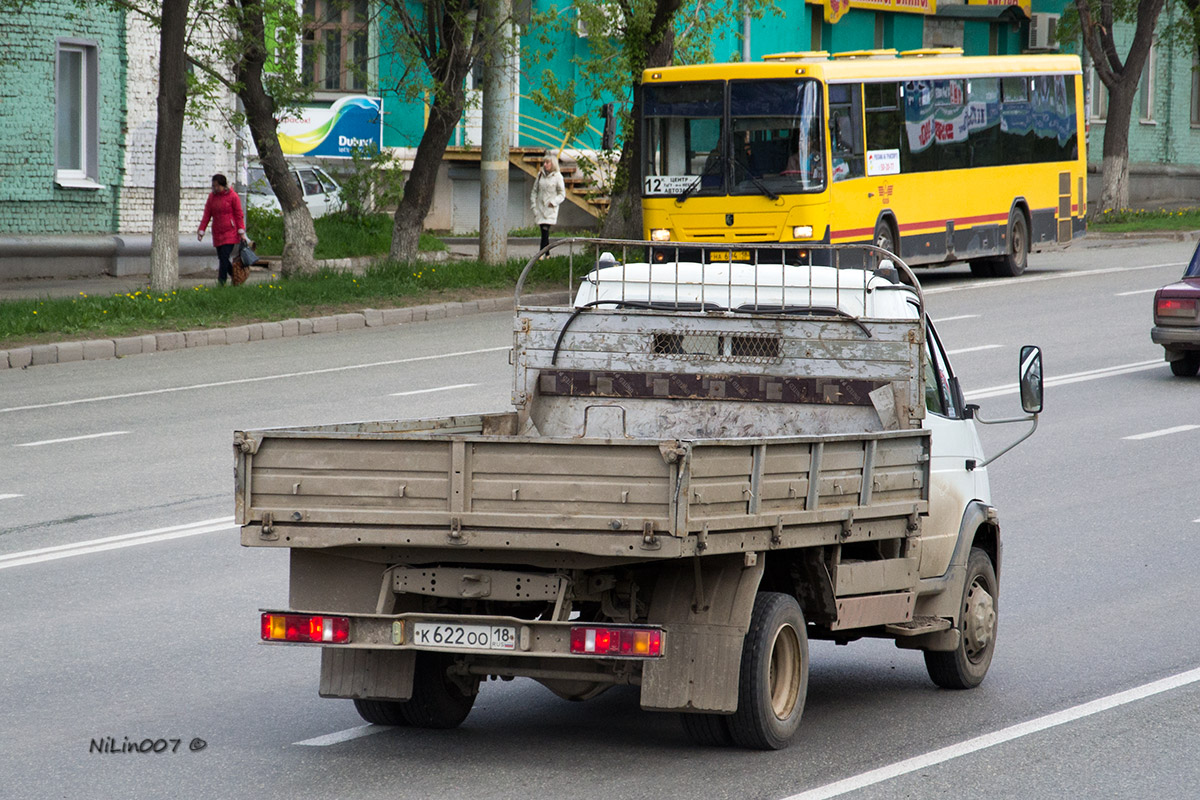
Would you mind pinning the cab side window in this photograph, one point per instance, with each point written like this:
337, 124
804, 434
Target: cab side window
938, 397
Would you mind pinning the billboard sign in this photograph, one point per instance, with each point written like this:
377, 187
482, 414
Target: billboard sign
334, 132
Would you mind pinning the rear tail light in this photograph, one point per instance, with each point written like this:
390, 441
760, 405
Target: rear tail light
1175, 307
305, 628
634, 642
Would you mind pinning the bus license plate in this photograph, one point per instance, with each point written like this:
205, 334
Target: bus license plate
471, 637
726, 255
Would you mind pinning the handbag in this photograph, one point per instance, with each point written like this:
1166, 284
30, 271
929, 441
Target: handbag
240, 264
247, 255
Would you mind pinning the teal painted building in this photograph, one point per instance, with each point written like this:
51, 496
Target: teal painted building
62, 117
793, 25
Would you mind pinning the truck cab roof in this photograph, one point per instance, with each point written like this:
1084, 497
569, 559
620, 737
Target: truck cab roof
749, 288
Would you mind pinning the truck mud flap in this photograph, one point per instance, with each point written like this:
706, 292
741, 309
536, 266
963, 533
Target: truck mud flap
367, 674
706, 613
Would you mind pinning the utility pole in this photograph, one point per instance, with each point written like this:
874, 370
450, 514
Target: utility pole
497, 133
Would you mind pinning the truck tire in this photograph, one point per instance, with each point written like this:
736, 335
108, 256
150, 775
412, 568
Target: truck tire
774, 674
707, 730
437, 701
965, 666
382, 712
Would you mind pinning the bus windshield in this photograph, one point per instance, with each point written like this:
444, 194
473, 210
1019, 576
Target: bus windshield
777, 142
685, 132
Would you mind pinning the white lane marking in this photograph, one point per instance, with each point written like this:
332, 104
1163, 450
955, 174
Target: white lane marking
71, 439
305, 373
1081, 273
344, 736
1139, 291
952, 319
435, 389
1163, 432
1075, 377
41, 554
10, 496
999, 737
972, 349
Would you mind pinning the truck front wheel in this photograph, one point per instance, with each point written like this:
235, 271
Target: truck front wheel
964, 666
437, 701
774, 674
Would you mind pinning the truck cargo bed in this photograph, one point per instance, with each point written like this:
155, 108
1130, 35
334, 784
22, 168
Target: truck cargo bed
471, 481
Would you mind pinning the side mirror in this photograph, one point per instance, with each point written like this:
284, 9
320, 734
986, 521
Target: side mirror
1030, 379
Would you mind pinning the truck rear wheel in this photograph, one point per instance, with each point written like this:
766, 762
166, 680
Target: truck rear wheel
382, 712
708, 730
437, 701
965, 666
774, 674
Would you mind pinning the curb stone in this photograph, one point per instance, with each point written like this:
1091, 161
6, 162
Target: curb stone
120, 347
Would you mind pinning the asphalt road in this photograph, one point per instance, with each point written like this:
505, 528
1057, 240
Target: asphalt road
130, 611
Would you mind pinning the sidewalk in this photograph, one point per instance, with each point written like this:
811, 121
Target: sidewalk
120, 347
97, 285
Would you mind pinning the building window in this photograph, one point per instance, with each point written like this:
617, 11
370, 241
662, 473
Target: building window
75, 109
1097, 99
335, 50
814, 42
1196, 88
879, 31
1146, 89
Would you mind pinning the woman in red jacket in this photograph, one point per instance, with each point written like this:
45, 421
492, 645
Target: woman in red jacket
224, 208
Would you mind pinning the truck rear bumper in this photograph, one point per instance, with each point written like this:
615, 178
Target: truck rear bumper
490, 636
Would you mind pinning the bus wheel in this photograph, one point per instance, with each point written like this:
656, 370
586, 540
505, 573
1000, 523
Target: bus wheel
885, 238
965, 666
774, 674
1013, 264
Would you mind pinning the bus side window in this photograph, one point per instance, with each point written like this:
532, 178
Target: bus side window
845, 131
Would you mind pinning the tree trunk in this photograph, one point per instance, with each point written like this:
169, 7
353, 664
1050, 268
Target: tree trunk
1114, 191
299, 236
624, 218
450, 70
168, 142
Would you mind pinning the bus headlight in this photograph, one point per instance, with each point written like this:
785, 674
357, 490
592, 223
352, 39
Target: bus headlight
802, 232
661, 234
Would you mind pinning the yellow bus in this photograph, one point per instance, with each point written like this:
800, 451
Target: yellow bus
935, 156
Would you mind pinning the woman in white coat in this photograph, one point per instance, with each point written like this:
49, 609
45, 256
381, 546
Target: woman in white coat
547, 195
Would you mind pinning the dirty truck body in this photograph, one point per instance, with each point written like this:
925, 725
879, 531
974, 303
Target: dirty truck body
703, 468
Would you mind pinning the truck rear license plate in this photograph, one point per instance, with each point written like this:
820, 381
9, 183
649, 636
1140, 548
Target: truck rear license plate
472, 637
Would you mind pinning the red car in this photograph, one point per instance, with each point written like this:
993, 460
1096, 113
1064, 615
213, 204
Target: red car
1177, 320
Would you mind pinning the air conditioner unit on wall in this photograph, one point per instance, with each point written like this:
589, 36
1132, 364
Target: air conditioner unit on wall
1042, 30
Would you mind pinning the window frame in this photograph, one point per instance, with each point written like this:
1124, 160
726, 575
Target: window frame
1195, 94
87, 175
944, 374
336, 17
1146, 89
1097, 105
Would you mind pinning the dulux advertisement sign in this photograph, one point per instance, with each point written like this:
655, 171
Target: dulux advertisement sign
334, 132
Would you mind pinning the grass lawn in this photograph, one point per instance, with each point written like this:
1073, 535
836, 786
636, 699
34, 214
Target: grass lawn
1133, 220
338, 235
387, 285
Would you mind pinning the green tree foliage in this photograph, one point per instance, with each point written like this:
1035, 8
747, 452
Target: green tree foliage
1095, 20
626, 37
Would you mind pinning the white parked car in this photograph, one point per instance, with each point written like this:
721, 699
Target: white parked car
321, 192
